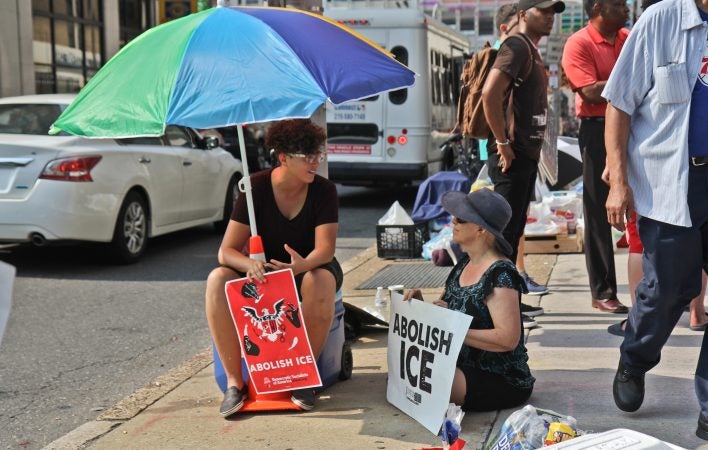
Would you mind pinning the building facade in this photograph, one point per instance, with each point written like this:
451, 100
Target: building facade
56, 46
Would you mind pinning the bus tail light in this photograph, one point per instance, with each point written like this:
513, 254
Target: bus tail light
402, 139
391, 140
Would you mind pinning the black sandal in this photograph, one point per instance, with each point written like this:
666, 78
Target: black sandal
618, 328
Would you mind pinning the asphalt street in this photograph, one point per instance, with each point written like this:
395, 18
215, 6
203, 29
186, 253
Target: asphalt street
84, 334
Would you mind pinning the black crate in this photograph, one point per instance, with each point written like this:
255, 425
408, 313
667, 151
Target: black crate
401, 241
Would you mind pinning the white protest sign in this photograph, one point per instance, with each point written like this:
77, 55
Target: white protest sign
423, 343
7, 278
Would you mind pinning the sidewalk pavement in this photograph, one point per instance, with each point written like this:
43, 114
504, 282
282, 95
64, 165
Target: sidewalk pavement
571, 355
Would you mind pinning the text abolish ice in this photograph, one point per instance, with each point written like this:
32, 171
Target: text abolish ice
420, 342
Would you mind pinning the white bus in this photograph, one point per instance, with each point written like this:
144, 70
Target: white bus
394, 138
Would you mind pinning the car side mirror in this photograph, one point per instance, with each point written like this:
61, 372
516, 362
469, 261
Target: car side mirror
211, 142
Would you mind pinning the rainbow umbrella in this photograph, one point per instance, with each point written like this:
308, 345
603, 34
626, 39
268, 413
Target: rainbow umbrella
230, 66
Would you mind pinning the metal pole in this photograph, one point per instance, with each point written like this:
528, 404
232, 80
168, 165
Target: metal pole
245, 184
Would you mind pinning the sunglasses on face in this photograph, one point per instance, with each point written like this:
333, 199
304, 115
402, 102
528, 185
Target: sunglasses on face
310, 158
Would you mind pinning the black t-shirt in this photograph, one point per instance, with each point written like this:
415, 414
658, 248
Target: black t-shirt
321, 207
530, 100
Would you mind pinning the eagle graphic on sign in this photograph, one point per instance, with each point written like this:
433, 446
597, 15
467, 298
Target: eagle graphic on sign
269, 324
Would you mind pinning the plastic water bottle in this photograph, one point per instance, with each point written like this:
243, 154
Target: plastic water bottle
380, 300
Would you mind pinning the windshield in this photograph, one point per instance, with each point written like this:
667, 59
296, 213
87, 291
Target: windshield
28, 118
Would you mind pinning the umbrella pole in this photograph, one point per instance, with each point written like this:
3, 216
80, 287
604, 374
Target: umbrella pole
245, 183
255, 246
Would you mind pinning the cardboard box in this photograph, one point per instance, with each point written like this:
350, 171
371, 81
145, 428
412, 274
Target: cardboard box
559, 243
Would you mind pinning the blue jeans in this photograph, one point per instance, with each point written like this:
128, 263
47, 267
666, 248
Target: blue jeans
673, 260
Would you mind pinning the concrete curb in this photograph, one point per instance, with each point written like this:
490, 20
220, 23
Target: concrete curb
133, 404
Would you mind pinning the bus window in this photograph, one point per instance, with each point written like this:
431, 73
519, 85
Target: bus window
352, 133
399, 97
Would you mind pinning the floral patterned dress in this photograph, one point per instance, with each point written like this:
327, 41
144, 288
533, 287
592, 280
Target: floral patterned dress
511, 366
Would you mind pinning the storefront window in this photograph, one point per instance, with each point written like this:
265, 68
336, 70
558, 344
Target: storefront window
92, 46
136, 16
68, 44
65, 7
40, 5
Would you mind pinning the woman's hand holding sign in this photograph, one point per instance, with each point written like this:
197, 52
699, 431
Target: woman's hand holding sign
256, 270
413, 294
418, 295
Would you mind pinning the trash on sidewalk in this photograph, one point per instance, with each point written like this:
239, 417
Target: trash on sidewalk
437, 242
451, 427
555, 225
531, 428
617, 439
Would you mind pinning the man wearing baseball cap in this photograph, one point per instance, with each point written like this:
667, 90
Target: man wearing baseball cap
518, 76
558, 6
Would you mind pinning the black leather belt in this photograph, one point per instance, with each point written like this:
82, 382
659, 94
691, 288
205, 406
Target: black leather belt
697, 161
593, 119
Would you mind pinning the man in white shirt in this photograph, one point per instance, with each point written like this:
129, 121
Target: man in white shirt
657, 158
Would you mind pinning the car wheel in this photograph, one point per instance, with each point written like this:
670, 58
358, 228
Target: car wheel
131, 232
229, 202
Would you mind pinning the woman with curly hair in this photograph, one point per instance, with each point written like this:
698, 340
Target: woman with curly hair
296, 213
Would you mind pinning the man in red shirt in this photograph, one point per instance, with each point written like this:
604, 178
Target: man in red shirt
588, 58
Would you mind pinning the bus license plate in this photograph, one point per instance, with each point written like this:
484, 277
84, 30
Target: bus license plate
349, 149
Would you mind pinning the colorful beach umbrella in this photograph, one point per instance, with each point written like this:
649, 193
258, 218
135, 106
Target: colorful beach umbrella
228, 66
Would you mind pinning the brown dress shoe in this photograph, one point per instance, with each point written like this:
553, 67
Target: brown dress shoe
610, 306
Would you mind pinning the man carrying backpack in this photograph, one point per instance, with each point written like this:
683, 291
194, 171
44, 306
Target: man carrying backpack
515, 105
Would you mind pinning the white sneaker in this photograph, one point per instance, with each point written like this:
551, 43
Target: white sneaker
528, 322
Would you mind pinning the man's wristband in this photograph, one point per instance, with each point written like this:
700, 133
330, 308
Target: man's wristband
507, 142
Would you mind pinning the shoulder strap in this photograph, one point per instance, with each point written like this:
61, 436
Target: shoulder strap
531, 59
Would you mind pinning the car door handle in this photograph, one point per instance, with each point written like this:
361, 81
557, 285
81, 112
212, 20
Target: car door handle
144, 160
186, 162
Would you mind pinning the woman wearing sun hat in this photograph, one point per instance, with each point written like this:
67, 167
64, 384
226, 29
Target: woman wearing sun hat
492, 371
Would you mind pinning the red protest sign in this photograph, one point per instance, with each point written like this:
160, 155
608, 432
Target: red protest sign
272, 333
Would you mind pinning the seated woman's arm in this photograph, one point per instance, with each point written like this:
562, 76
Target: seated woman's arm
230, 255
325, 244
503, 305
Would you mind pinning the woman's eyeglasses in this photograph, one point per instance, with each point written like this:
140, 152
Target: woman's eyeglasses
310, 158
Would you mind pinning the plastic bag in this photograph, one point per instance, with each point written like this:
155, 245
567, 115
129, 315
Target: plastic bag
528, 428
396, 215
437, 242
450, 429
542, 221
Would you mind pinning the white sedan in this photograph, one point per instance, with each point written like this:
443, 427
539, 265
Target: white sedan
117, 191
